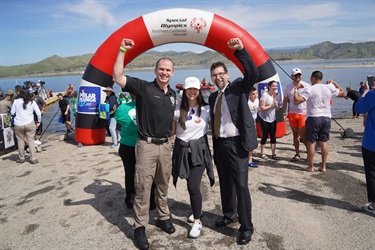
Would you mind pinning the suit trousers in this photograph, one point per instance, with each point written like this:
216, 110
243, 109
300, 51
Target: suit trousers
231, 160
153, 164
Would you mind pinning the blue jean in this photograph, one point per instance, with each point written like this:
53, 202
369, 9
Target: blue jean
113, 130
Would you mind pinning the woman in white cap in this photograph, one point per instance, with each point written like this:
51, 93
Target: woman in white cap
191, 153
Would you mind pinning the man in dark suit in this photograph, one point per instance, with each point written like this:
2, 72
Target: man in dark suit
233, 137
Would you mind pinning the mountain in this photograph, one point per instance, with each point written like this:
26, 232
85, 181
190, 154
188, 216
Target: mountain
56, 65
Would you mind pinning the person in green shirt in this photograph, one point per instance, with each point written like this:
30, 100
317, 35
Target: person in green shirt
73, 102
125, 115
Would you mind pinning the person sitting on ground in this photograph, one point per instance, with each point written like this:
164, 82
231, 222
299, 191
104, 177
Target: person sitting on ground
69, 90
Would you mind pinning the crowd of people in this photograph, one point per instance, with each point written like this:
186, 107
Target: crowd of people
184, 126
150, 124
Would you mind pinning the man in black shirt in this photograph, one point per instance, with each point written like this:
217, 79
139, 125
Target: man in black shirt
155, 107
354, 95
65, 112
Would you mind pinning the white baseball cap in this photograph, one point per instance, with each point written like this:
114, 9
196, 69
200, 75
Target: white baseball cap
296, 71
192, 82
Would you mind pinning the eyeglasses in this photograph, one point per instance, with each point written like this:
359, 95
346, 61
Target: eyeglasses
297, 75
218, 74
191, 113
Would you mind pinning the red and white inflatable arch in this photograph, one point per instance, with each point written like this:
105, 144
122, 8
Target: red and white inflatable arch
151, 30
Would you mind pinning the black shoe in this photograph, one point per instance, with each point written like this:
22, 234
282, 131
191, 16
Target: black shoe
165, 225
244, 238
129, 204
223, 222
140, 238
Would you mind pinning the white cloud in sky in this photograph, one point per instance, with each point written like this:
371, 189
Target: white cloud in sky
95, 11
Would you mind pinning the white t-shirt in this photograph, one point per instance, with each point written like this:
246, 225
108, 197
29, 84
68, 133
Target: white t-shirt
289, 92
196, 127
318, 98
253, 106
24, 116
269, 115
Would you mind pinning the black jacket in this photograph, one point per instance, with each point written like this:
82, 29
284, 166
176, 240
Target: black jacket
200, 156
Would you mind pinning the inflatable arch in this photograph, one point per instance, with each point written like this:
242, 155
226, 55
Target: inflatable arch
151, 30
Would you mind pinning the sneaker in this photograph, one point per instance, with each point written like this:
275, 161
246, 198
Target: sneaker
253, 165
34, 161
191, 218
195, 231
369, 208
114, 145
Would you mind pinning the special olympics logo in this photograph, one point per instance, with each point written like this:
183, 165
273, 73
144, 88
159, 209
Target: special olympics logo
198, 24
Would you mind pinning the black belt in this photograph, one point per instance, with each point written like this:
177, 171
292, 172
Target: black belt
153, 140
228, 138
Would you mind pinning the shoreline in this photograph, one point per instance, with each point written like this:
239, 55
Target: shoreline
192, 66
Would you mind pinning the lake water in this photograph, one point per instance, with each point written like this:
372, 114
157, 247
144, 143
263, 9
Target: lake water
343, 76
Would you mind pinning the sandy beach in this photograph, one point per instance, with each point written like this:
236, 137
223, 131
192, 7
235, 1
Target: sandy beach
74, 199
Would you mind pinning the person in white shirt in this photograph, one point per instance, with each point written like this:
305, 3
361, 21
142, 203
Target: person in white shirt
296, 113
269, 104
318, 113
253, 106
191, 153
24, 126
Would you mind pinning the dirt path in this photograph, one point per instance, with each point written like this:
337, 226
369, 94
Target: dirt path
74, 199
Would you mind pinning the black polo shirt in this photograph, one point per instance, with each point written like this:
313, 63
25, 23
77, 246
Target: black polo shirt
353, 94
155, 109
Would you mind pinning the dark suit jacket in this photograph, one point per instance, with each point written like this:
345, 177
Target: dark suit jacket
236, 95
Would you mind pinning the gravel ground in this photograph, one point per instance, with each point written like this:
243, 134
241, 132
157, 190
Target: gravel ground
74, 199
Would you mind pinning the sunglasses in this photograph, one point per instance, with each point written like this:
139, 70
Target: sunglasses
191, 113
297, 75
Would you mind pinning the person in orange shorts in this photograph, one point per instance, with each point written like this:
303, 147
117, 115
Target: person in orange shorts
296, 113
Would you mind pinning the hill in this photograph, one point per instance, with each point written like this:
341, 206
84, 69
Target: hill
56, 65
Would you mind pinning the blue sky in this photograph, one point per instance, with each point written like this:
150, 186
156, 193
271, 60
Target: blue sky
31, 31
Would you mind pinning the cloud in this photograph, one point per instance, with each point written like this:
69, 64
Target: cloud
262, 17
94, 10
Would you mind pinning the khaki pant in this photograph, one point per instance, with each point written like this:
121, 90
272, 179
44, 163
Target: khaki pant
27, 131
153, 164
